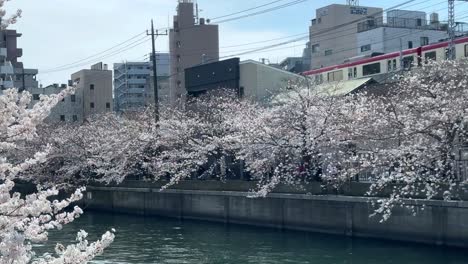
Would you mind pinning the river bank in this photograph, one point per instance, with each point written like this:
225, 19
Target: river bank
436, 223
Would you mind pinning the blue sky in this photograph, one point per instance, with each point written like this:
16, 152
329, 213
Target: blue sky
58, 32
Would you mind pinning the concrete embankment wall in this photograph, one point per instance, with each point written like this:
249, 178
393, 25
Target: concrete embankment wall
439, 223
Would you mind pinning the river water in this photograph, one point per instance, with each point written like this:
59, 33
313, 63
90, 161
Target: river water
159, 240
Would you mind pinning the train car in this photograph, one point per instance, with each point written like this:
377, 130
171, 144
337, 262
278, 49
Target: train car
387, 63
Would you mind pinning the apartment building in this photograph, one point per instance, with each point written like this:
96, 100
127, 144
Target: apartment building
94, 86
192, 41
133, 82
333, 33
12, 71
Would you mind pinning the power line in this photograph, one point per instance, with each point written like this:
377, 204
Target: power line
249, 9
262, 11
119, 51
99, 53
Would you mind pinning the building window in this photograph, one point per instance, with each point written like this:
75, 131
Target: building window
394, 64
62, 118
316, 48
366, 48
108, 105
371, 69
419, 22
73, 98
424, 41
91, 105
91, 87
75, 118
36, 97
328, 52
410, 44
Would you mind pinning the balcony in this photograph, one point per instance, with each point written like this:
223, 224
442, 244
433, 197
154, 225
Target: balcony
7, 68
6, 84
137, 81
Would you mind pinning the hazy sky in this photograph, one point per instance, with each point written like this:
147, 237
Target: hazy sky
59, 32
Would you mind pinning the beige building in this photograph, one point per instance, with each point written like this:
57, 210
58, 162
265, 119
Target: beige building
94, 86
261, 82
333, 33
192, 41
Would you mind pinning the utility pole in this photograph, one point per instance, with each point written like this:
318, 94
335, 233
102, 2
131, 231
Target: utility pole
153, 35
451, 29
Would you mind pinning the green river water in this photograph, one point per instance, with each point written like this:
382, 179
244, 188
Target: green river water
159, 240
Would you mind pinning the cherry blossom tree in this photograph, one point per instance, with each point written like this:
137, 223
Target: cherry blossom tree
28, 219
289, 142
412, 135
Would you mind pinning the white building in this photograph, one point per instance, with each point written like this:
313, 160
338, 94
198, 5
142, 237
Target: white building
133, 82
261, 82
403, 30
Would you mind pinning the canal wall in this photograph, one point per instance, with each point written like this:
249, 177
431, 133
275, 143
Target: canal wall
436, 222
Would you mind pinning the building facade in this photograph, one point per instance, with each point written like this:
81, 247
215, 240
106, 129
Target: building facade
403, 30
192, 41
133, 82
333, 33
94, 86
249, 79
70, 109
12, 72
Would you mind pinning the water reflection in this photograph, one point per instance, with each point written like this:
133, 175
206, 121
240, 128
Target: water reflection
154, 240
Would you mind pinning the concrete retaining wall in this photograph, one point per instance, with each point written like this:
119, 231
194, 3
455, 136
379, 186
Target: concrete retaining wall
439, 223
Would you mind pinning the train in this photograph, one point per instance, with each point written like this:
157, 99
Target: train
387, 63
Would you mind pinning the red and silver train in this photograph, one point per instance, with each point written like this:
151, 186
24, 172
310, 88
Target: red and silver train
387, 63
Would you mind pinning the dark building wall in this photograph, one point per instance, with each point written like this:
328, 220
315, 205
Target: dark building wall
211, 76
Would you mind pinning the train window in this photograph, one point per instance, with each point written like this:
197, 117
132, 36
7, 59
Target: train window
408, 62
335, 76
318, 79
430, 56
352, 73
389, 66
371, 69
394, 65
466, 50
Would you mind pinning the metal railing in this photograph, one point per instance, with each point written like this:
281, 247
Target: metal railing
397, 22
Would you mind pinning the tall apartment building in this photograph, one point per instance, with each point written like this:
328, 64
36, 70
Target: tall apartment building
132, 82
402, 29
12, 72
192, 41
94, 86
333, 33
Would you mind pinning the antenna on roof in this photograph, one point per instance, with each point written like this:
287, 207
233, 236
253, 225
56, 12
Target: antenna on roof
353, 2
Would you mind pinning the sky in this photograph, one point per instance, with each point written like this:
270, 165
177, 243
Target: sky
60, 32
